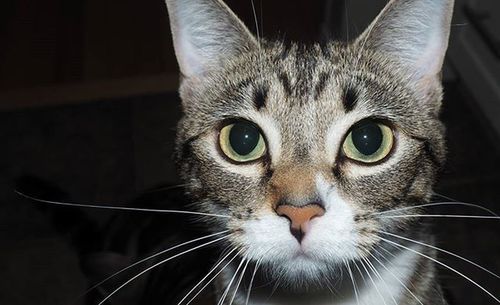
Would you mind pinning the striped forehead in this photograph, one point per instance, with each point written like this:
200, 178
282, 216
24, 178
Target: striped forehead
303, 97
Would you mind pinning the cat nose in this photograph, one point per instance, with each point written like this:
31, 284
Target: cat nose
300, 217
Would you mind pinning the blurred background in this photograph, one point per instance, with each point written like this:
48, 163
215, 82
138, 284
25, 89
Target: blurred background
88, 108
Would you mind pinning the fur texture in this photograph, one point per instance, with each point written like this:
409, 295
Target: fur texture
305, 99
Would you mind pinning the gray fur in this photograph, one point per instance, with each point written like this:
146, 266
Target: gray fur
305, 90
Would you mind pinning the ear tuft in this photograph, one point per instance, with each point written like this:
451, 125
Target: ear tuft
205, 33
413, 32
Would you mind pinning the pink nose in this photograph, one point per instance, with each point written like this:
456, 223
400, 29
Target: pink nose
299, 217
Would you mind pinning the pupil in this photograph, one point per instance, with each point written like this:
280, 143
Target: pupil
243, 138
367, 138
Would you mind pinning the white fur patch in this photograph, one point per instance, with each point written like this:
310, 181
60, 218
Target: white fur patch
330, 239
389, 286
383, 290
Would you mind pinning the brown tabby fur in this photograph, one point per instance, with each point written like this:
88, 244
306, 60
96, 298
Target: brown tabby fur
296, 93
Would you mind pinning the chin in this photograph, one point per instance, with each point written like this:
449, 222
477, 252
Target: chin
302, 272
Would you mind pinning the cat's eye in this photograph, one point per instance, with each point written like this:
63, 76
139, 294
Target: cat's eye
242, 142
368, 142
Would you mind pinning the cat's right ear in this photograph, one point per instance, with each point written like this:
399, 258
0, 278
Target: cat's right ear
206, 33
414, 33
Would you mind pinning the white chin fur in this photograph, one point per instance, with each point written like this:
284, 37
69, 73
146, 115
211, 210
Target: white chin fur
331, 239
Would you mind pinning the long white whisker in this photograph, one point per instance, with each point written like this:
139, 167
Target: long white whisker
445, 197
166, 188
388, 252
258, 35
438, 204
158, 264
443, 216
444, 265
360, 272
251, 281
373, 282
261, 19
224, 295
393, 275
256, 21
208, 274
214, 277
442, 250
120, 208
151, 257
346, 20
239, 282
354, 286
372, 267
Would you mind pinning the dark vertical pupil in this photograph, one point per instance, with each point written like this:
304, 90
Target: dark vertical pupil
243, 138
367, 138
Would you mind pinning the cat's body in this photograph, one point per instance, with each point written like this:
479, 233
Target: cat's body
304, 150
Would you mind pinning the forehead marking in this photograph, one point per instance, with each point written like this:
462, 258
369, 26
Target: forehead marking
260, 97
285, 82
350, 99
323, 78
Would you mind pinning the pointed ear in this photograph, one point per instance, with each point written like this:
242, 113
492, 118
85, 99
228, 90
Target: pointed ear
205, 33
413, 32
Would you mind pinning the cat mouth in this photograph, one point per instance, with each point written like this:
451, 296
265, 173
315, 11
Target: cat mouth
302, 255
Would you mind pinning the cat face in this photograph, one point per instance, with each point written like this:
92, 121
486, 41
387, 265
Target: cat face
302, 146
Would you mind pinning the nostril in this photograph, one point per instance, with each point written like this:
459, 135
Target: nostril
297, 233
299, 217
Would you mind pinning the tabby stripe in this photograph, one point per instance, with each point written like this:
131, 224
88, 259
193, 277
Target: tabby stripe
323, 78
350, 99
285, 81
260, 97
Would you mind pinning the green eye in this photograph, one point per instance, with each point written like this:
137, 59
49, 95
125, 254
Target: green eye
368, 142
242, 142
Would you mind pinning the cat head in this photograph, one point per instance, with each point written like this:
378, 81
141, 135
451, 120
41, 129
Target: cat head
301, 146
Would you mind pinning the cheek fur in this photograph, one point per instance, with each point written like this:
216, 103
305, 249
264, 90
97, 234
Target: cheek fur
332, 238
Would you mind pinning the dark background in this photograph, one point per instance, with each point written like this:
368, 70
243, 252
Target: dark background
88, 108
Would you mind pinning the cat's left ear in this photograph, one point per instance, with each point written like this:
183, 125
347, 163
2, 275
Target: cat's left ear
206, 34
415, 33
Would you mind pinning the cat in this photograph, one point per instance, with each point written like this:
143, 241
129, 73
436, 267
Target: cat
305, 155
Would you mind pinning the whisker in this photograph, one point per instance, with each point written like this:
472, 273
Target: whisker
393, 275
226, 291
208, 274
388, 252
373, 282
438, 204
120, 208
166, 188
256, 21
346, 21
375, 271
214, 277
444, 265
148, 258
360, 273
158, 264
354, 286
442, 250
261, 19
239, 282
251, 280
258, 36
443, 216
